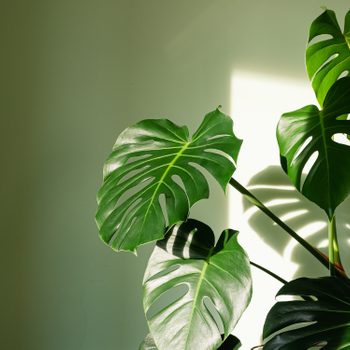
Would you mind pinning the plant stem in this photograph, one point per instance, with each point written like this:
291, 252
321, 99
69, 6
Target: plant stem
272, 274
333, 248
248, 195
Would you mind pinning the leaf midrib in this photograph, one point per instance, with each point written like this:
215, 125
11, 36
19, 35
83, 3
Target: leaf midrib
194, 305
161, 180
324, 143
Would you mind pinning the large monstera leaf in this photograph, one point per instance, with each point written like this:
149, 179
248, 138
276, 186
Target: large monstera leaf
309, 131
219, 274
156, 158
320, 317
329, 58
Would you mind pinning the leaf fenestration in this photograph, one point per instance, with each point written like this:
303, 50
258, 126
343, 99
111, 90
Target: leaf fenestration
309, 132
328, 59
321, 315
157, 158
221, 273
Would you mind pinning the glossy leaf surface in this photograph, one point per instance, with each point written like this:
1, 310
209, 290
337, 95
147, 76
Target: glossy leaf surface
309, 132
157, 158
329, 58
322, 319
217, 274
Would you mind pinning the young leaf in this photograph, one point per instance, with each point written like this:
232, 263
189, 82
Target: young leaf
328, 59
217, 274
147, 161
320, 316
309, 132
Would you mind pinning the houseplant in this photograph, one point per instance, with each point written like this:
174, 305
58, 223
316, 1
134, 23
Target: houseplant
155, 174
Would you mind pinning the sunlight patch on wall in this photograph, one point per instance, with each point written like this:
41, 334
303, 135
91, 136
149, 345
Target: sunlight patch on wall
257, 102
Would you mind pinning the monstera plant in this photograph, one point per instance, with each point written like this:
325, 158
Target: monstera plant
195, 289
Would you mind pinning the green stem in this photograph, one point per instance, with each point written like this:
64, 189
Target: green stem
249, 196
333, 247
272, 274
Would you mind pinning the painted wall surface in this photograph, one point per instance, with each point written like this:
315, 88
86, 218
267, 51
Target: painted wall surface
74, 74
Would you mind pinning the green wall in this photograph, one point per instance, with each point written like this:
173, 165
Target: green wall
73, 75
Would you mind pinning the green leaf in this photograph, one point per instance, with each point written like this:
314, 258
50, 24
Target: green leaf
303, 132
328, 59
148, 161
230, 343
217, 275
320, 316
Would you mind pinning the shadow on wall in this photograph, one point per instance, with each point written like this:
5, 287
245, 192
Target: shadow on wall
274, 189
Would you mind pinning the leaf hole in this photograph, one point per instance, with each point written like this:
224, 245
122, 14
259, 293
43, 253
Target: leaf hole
302, 147
343, 74
162, 204
132, 206
341, 139
295, 326
216, 137
326, 62
116, 233
319, 38
204, 171
164, 272
136, 158
177, 179
218, 152
166, 299
343, 117
214, 313
307, 167
284, 298
128, 193
132, 173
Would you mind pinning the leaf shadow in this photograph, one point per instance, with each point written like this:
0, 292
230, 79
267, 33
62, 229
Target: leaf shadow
190, 239
273, 188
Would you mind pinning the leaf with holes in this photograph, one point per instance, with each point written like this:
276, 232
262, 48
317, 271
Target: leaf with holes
156, 158
321, 316
147, 162
217, 279
230, 343
309, 132
328, 59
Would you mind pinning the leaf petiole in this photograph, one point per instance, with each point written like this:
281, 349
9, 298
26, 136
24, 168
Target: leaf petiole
272, 274
333, 248
251, 198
